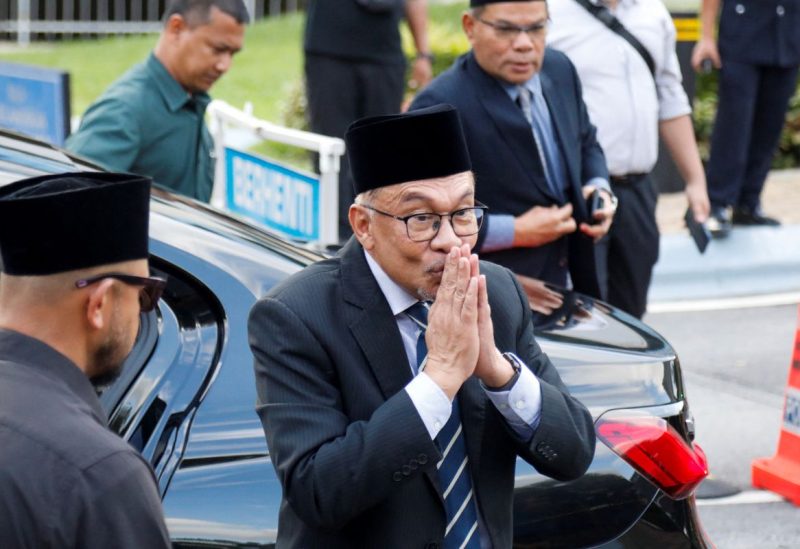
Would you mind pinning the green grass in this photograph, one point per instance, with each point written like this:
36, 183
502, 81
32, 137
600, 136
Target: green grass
264, 73
267, 73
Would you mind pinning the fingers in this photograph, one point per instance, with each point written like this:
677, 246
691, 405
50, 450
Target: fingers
484, 311
595, 232
449, 275
469, 310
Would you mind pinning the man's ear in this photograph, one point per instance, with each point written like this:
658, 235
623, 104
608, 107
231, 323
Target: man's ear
468, 24
175, 25
361, 223
97, 304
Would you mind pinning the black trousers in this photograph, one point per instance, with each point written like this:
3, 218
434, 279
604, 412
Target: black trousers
751, 113
626, 255
340, 91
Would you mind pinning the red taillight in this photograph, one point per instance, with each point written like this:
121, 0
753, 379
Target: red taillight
655, 449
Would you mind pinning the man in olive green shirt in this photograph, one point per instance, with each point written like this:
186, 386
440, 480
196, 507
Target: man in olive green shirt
151, 120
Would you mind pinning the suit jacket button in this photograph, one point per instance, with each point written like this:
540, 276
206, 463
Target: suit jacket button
739, 9
422, 458
780, 10
397, 476
406, 470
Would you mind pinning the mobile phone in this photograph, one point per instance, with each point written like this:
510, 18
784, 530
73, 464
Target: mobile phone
700, 233
594, 204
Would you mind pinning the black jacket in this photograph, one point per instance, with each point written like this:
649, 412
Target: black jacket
354, 458
508, 173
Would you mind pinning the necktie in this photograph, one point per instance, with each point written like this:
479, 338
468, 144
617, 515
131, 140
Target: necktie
538, 116
453, 470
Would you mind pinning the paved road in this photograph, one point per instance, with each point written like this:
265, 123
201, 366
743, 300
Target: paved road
736, 363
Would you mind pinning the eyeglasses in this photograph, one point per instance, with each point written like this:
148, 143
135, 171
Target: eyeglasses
152, 287
507, 31
422, 227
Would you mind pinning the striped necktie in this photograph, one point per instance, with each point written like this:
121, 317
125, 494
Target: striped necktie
453, 470
536, 113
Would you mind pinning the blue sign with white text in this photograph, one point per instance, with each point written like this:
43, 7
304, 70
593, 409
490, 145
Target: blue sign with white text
35, 101
277, 196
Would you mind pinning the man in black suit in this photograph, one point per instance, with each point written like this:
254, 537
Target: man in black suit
74, 283
534, 172
392, 422
355, 67
758, 55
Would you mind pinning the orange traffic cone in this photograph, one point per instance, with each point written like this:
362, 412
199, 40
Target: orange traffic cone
781, 473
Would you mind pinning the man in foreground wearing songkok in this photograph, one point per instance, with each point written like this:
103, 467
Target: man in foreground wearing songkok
74, 281
393, 421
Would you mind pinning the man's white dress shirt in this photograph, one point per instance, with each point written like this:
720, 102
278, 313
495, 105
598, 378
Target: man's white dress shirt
625, 102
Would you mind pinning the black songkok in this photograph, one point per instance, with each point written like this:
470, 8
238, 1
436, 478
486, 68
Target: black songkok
58, 223
476, 3
398, 148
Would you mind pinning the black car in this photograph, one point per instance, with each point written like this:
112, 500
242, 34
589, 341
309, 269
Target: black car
186, 396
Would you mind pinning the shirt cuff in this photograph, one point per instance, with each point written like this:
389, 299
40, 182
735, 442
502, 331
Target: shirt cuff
521, 405
432, 404
499, 233
601, 184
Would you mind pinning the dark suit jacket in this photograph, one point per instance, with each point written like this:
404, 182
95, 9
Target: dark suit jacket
508, 173
355, 461
760, 32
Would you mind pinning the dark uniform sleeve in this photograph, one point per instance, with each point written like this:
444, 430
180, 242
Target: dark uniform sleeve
119, 506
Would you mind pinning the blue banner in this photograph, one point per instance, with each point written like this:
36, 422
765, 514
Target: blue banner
35, 101
276, 196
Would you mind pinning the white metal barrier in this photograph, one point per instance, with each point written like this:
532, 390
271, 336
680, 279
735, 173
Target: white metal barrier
225, 118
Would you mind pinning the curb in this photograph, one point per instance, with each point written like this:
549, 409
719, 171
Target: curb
750, 261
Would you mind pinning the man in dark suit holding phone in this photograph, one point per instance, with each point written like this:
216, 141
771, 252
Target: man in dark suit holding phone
393, 421
533, 148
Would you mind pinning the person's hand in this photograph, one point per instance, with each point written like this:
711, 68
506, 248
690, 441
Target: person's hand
421, 73
540, 298
491, 368
541, 225
697, 196
605, 215
452, 333
705, 48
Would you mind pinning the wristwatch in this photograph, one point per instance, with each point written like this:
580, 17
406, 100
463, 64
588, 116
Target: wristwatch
429, 56
517, 364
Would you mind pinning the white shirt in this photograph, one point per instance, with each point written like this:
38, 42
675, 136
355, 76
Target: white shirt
624, 101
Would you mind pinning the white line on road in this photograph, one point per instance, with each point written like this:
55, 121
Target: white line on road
743, 302
748, 497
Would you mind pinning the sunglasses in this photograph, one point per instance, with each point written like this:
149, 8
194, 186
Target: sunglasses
152, 287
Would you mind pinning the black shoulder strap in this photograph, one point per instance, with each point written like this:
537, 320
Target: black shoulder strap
607, 18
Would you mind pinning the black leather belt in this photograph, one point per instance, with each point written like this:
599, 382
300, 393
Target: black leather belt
628, 178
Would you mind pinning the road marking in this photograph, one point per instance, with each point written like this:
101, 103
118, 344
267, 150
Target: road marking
743, 302
748, 497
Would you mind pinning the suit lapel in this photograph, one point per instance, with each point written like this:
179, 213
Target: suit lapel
373, 325
557, 110
510, 124
374, 328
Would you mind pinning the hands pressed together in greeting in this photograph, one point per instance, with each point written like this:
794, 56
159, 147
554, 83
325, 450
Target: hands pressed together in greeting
460, 335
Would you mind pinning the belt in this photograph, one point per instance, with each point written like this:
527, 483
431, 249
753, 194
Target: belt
628, 178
